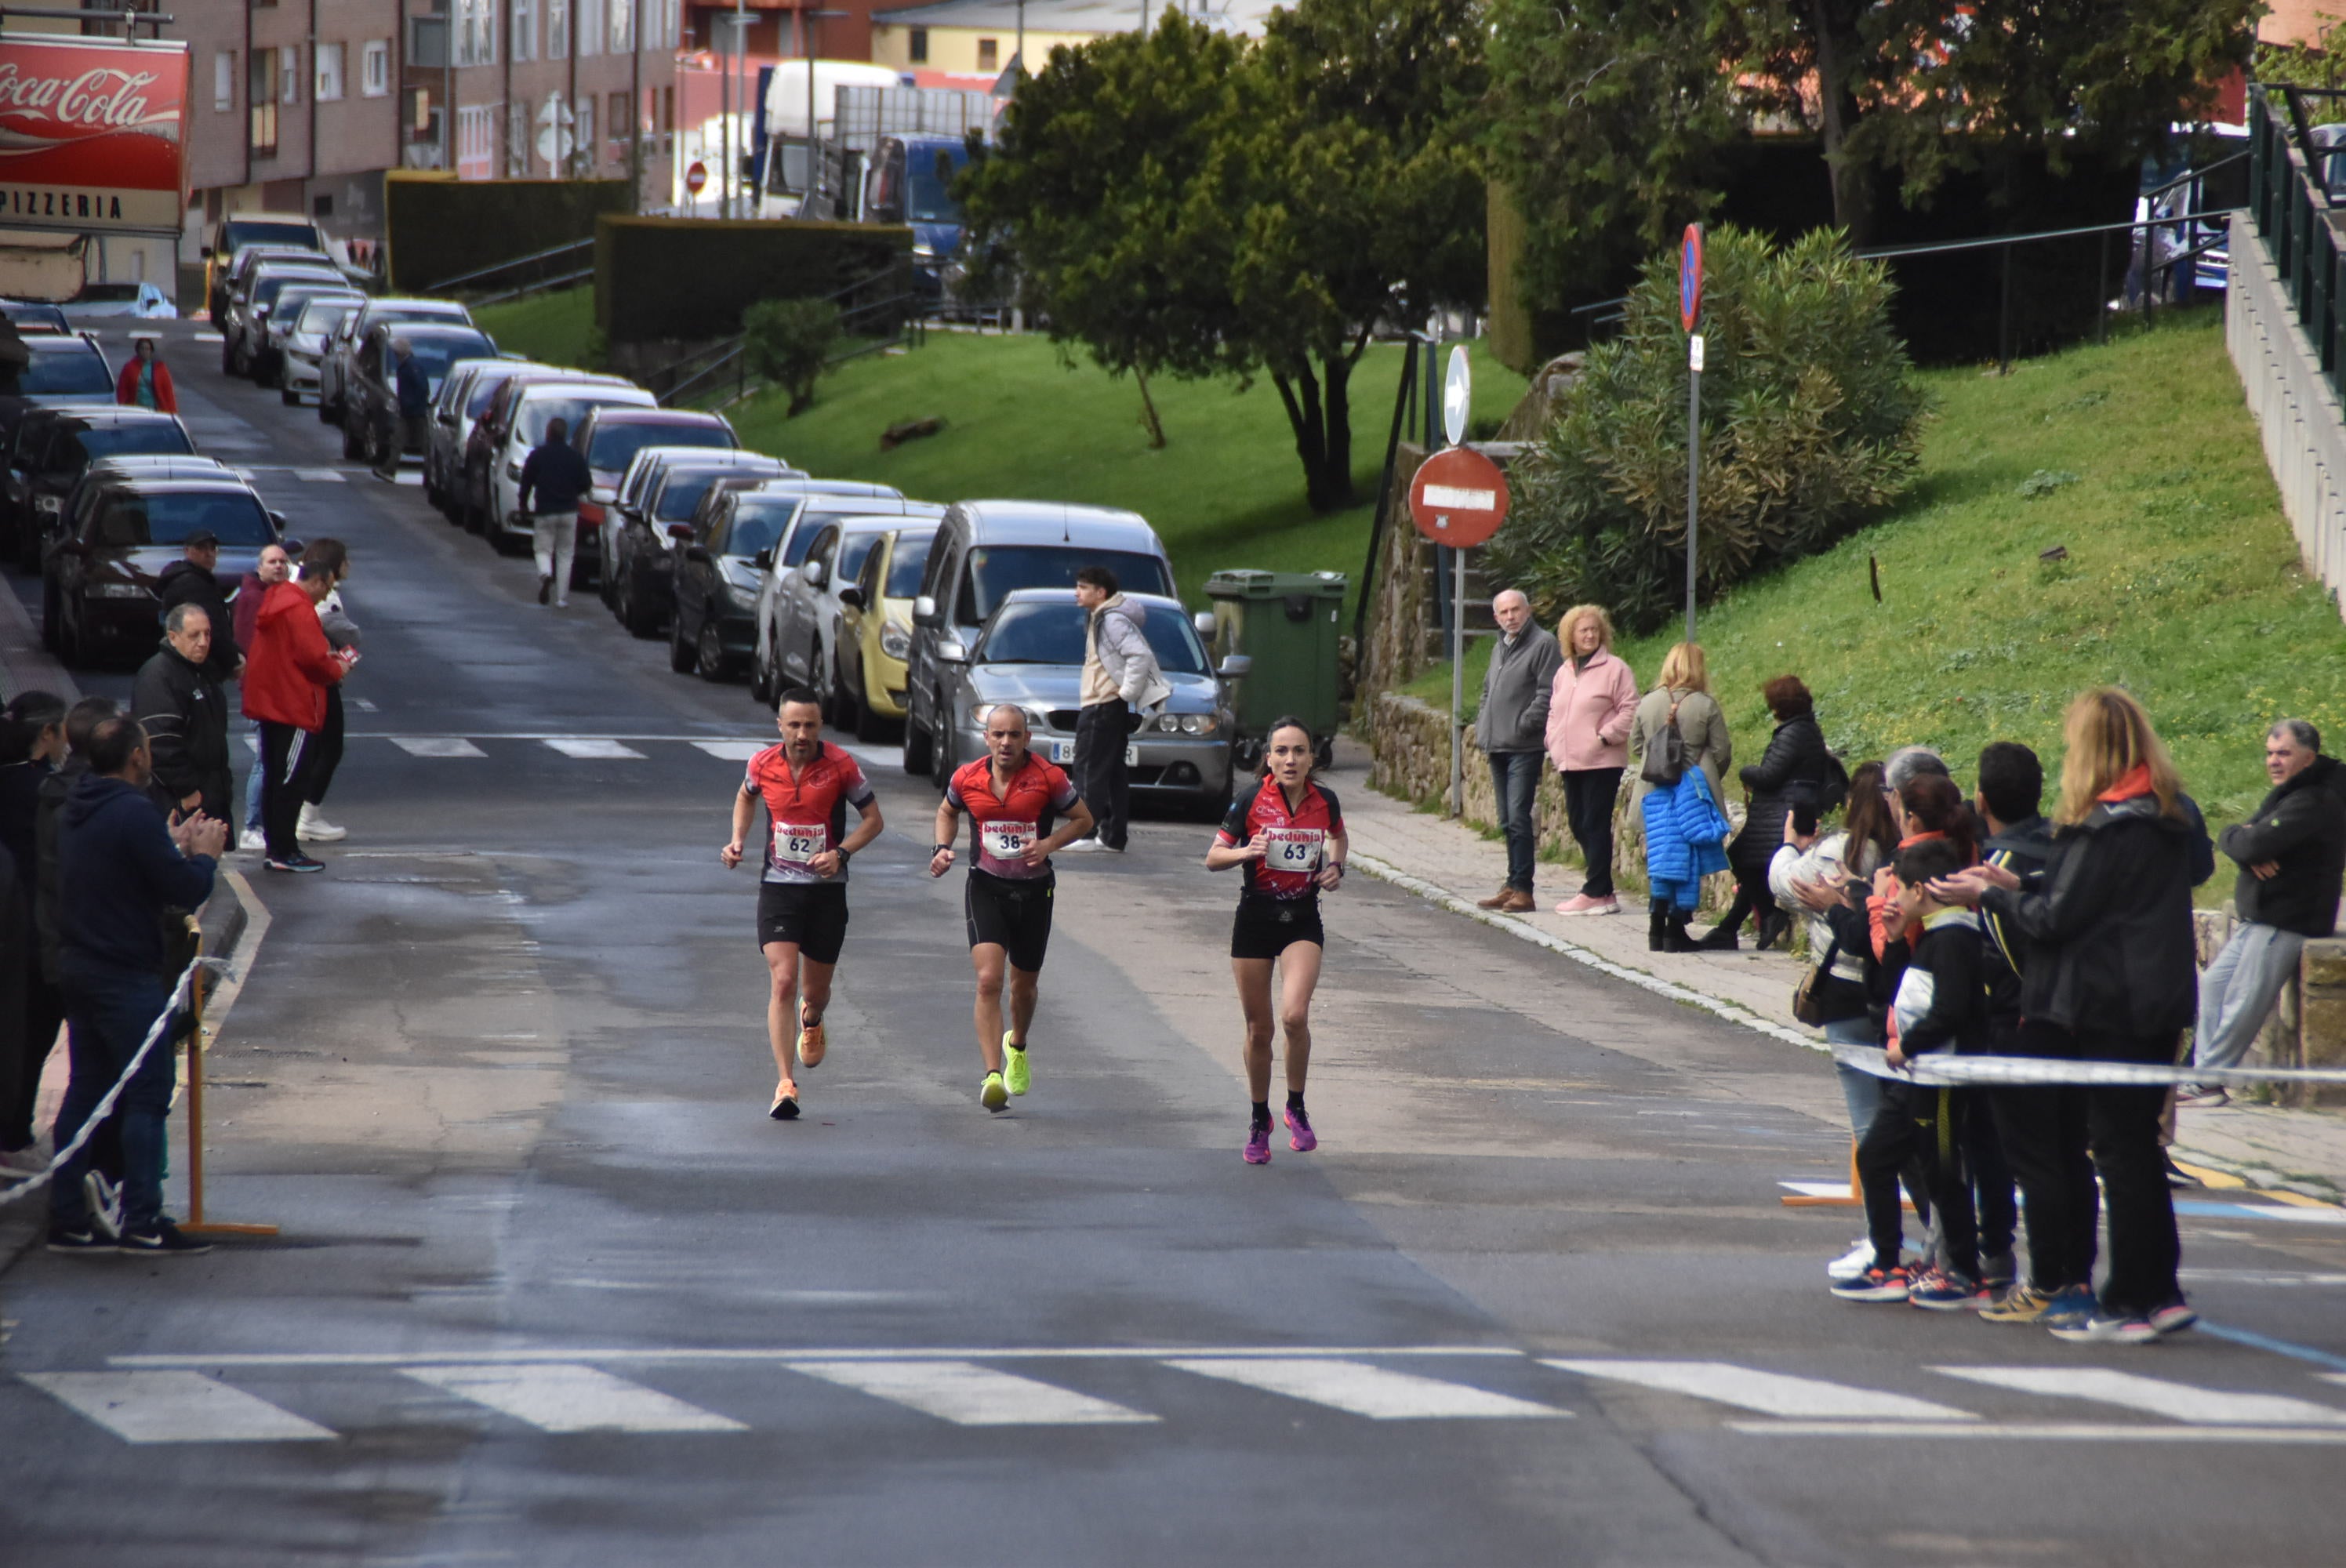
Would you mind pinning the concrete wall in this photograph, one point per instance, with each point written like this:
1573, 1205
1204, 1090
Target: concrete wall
2309, 1028
2297, 412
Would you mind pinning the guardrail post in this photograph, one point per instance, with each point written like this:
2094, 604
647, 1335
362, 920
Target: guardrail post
2102, 293
2004, 319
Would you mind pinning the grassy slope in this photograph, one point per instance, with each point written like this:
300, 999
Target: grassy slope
2182, 584
551, 327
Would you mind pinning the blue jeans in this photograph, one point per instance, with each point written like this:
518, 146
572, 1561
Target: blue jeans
109, 1011
253, 779
1514, 778
1862, 1092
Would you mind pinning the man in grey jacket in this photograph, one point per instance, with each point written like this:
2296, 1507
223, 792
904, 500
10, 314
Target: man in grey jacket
1120, 677
1512, 728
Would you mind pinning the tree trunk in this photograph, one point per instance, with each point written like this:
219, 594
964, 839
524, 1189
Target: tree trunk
1148, 412
1839, 46
1324, 435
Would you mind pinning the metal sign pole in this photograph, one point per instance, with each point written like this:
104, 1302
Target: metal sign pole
1693, 463
1457, 681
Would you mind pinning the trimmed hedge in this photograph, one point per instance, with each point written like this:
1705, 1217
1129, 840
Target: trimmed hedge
438, 227
686, 279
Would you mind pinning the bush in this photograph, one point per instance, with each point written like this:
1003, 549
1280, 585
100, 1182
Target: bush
788, 342
1811, 425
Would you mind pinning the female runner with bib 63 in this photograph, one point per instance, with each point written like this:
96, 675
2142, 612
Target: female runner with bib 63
1288, 833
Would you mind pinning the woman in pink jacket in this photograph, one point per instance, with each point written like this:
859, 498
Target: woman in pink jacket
1589, 712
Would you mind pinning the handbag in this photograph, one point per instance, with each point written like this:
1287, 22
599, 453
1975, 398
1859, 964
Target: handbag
1809, 996
1666, 758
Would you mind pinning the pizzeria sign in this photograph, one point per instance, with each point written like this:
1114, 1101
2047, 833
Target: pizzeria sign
93, 135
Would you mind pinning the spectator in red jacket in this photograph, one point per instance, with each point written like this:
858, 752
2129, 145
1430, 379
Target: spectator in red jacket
145, 381
287, 673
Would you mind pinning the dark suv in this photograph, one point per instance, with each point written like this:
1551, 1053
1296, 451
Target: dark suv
99, 594
54, 445
371, 395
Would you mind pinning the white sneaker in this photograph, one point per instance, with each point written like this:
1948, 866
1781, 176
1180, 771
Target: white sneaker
314, 827
1082, 847
1852, 1263
253, 841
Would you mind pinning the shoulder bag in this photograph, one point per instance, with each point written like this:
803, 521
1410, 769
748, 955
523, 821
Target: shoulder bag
1809, 996
1666, 757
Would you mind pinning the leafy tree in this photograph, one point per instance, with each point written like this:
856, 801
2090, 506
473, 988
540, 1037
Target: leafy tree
1810, 420
788, 342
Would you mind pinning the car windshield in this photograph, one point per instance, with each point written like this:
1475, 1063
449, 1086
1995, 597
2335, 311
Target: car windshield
615, 445
265, 293
758, 522
240, 235
324, 315
854, 551
35, 316
998, 572
1048, 633
456, 315
434, 354
482, 392
65, 372
167, 518
933, 171
538, 411
905, 567
682, 493
160, 438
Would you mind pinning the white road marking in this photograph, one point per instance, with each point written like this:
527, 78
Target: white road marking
2041, 1432
174, 1406
323, 476
436, 746
519, 1358
969, 1395
1364, 1389
362, 705
593, 749
872, 755
2177, 1401
564, 1398
209, 338
2302, 1216
732, 750
1769, 1393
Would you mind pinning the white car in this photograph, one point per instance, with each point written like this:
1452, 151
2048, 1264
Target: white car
334, 366
143, 302
539, 405
790, 629
305, 345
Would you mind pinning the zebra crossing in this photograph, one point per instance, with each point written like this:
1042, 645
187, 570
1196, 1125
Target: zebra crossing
181, 1400
585, 748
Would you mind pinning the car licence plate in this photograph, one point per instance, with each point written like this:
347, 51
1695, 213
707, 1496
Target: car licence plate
1062, 752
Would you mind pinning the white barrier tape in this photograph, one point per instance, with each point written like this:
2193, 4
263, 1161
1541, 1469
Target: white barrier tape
104, 1106
1939, 1068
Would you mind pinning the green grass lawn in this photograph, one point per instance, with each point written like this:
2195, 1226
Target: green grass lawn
551, 327
2182, 583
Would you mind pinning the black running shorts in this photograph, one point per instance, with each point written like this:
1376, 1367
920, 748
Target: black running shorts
1265, 926
1011, 915
814, 916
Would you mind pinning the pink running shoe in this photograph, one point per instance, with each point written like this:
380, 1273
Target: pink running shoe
1300, 1135
1257, 1147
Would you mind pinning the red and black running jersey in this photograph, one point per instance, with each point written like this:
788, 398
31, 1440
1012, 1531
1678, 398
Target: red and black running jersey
1295, 843
1002, 826
808, 814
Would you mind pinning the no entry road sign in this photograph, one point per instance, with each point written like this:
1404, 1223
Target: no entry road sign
1691, 277
1458, 498
696, 179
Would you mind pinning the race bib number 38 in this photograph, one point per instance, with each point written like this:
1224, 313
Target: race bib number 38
1008, 841
1291, 849
798, 843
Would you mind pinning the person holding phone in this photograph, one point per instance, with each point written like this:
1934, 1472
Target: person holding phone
287, 674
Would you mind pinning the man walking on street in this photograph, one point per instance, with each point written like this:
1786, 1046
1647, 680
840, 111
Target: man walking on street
178, 700
1512, 728
2291, 854
120, 870
554, 475
1120, 677
193, 581
285, 681
414, 391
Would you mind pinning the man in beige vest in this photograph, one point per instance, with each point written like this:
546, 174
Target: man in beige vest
1120, 677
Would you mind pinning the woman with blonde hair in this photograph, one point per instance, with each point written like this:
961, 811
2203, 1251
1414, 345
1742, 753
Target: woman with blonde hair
1682, 696
2112, 966
1591, 705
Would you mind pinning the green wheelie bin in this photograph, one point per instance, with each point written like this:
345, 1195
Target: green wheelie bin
1290, 625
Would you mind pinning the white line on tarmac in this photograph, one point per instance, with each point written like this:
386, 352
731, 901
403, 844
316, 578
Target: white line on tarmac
595, 749
436, 746
2049, 1432
1378, 1393
528, 1358
970, 1395
573, 1399
1769, 1393
2177, 1401
174, 1406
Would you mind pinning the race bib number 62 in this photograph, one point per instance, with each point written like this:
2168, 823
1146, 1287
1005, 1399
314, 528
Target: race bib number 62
798, 843
1008, 840
1292, 850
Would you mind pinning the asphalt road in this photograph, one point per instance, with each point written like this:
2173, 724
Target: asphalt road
552, 1289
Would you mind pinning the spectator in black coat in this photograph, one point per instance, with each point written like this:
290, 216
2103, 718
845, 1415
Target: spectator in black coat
32, 739
1794, 768
194, 581
178, 700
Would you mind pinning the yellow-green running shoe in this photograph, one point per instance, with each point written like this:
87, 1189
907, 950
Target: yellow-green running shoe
995, 1095
1014, 1071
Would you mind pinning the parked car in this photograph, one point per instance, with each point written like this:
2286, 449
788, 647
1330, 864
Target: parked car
75, 513
250, 303
98, 594
609, 438
1030, 654
54, 447
69, 370
141, 301
370, 421
243, 231
304, 345
32, 316
986, 550
805, 620
878, 632
654, 531
283, 317
463, 393
471, 477
627, 503
535, 406
333, 369
722, 571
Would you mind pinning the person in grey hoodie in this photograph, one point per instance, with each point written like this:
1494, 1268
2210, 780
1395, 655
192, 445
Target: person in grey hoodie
1121, 676
1511, 726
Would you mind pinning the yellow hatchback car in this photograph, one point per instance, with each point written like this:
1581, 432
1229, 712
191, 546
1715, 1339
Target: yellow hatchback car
879, 621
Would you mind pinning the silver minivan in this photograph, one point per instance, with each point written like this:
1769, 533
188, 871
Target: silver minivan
986, 550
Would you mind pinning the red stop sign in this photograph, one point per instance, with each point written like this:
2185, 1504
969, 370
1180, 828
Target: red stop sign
1459, 497
696, 179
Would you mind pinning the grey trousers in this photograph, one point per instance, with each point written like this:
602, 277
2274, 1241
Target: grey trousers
2238, 990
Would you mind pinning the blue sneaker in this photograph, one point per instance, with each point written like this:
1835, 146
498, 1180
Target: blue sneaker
1875, 1284
1948, 1290
2069, 1308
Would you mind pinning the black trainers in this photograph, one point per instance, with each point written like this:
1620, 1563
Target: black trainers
80, 1243
296, 862
162, 1240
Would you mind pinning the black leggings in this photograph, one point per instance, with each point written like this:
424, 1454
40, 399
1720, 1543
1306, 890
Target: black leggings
1588, 797
1904, 1131
2043, 1131
2122, 1129
287, 757
329, 744
1751, 897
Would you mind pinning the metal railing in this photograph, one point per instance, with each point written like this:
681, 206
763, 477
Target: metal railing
2290, 201
555, 268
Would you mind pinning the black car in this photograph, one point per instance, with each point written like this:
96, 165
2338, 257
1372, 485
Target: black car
99, 594
371, 394
28, 315
67, 371
52, 448
713, 616
649, 537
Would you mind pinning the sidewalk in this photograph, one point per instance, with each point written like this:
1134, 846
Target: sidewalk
2299, 1151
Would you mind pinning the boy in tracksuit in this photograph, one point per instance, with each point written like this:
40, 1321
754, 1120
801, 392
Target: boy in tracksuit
1940, 1005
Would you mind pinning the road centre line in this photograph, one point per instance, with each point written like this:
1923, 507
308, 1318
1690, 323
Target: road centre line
527, 1356
2058, 1432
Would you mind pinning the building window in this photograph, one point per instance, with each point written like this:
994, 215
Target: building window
224, 80
618, 127
525, 30
668, 120
671, 25
594, 22
557, 29
476, 32
585, 153
330, 73
288, 74
623, 27
918, 44
517, 141
989, 54
322, 207
374, 68
261, 92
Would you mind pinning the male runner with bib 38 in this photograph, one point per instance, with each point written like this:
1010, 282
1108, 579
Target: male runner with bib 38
1011, 796
1288, 833
807, 785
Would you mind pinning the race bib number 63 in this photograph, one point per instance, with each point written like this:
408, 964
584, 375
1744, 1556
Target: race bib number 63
1291, 849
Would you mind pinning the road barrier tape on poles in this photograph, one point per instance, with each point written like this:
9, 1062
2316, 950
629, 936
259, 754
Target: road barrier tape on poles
156, 1032
1940, 1069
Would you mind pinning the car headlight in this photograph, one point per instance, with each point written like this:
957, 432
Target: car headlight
924, 248
1197, 724
118, 591
896, 641
978, 710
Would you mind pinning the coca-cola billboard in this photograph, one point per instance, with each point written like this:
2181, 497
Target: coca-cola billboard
93, 135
